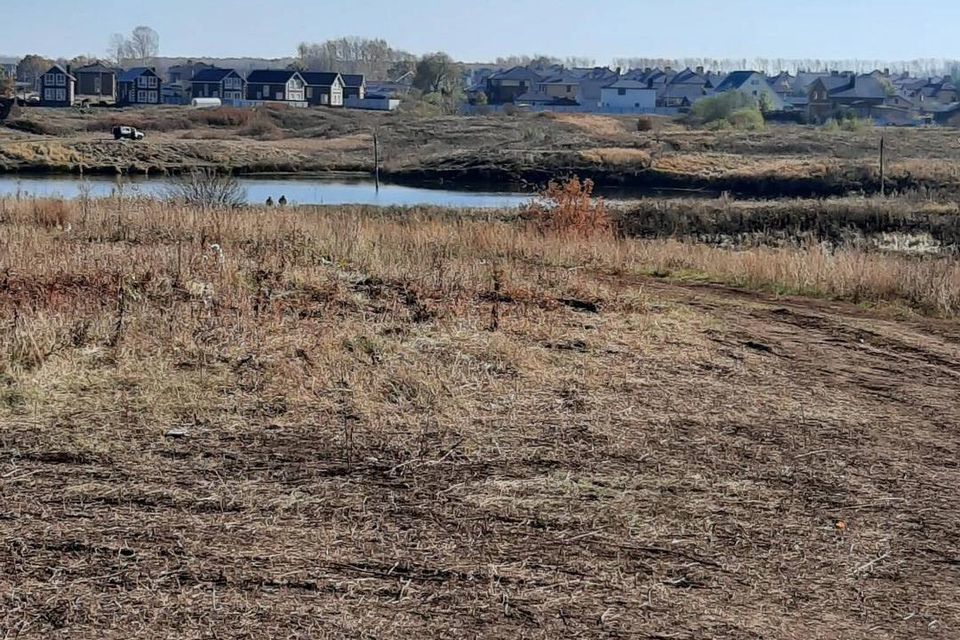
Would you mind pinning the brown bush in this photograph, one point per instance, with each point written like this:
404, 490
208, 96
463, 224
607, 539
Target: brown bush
223, 117
645, 123
569, 208
260, 127
51, 214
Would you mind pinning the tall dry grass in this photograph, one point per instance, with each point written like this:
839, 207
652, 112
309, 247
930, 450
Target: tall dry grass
434, 250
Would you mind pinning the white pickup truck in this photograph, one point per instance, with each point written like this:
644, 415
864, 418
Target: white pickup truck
130, 133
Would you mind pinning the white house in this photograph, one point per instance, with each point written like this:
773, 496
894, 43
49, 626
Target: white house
628, 96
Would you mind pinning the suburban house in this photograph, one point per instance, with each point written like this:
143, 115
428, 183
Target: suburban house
753, 84
96, 80
281, 85
225, 84
8, 67
628, 96
186, 72
782, 84
682, 95
57, 87
323, 88
140, 85
686, 88
503, 87
863, 96
943, 91
592, 81
560, 85
354, 86
541, 99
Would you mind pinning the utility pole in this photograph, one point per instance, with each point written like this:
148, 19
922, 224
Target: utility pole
376, 159
883, 173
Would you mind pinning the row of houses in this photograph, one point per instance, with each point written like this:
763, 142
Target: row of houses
60, 86
885, 97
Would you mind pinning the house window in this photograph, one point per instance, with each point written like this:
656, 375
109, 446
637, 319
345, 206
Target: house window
141, 96
309, 92
61, 95
152, 82
324, 99
621, 92
569, 88
142, 81
152, 96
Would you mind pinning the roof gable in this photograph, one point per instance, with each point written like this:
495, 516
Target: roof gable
736, 80
96, 67
320, 78
213, 75
353, 79
517, 73
136, 72
58, 69
860, 88
632, 85
271, 76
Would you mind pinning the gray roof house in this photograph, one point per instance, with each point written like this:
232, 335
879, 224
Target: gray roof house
504, 86
753, 84
592, 82
564, 84
139, 86
96, 80
212, 82
354, 85
281, 85
864, 96
57, 87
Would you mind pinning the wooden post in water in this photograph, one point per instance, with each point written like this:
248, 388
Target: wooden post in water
883, 172
376, 159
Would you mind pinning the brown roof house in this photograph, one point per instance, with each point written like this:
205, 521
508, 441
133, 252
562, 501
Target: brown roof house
57, 87
96, 80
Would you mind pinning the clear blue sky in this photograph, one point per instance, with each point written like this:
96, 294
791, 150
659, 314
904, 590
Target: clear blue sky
477, 30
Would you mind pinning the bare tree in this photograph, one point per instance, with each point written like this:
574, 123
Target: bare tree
144, 43
373, 58
118, 48
208, 188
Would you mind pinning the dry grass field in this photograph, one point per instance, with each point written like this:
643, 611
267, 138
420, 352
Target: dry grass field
359, 423
780, 160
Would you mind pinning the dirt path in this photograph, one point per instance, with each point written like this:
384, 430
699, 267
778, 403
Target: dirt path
721, 464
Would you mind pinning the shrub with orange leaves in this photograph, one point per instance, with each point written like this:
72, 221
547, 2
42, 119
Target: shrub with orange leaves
569, 208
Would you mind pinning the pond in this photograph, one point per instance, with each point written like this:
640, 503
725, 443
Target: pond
310, 191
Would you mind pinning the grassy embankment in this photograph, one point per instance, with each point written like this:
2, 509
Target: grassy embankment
528, 147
